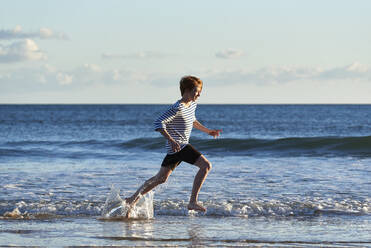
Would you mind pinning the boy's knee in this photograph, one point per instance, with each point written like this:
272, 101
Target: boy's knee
207, 166
204, 164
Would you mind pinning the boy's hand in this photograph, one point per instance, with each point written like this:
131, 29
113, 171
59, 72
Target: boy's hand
215, 133
174, 146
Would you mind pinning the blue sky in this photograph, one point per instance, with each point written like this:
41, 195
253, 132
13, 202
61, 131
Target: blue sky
136, 51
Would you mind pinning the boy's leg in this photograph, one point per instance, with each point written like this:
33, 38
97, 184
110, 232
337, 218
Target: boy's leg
151, 183
205, 167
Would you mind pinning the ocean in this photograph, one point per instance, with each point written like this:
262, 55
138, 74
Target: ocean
283, 176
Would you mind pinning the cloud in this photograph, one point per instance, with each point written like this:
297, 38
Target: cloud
25, 49
356, 71
230, 54
48, 78
20, 51
284, 74
63, 78
138, 55
42, 33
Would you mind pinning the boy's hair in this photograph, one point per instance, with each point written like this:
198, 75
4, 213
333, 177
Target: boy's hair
189, 82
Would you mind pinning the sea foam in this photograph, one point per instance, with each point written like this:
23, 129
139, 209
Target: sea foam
147, 208
116, 208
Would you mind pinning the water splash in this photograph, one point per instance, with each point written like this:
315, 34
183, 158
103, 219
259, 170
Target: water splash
116, 208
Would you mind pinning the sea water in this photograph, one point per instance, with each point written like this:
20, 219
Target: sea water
283, 175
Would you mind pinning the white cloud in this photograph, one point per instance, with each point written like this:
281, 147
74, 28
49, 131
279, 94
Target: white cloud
355, 71
285, 74
49, 68
49, 78
357, 67
138, 55
46, 33
20, 51
26, 48
230, 54
17, 29
63, 78
91, 68
116, 75
263, 85
42, 33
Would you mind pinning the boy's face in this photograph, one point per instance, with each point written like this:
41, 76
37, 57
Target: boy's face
195, 93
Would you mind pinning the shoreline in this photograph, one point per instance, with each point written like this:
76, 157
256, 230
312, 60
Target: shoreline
187, 231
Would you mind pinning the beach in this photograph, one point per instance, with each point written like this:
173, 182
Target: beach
283, 176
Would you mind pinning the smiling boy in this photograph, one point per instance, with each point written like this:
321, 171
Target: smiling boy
176, 125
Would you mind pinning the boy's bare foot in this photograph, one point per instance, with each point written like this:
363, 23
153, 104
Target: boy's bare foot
128, 213
196, 207
129, 202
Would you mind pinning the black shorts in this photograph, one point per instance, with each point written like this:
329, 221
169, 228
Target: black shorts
188, 154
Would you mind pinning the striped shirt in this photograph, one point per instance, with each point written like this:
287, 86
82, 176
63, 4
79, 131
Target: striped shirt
178, 122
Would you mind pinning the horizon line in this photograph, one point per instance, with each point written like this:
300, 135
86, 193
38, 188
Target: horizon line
323, 103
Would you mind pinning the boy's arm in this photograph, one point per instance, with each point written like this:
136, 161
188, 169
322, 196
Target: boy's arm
213, 132
160, 126
174, 145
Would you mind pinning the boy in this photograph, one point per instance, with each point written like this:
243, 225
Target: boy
176, 126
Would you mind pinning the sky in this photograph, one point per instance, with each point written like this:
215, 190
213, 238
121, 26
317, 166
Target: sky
246, 52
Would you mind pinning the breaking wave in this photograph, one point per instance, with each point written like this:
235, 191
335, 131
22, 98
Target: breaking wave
148, 208
292, 146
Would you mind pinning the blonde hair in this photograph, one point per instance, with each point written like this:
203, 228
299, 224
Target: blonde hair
189, 82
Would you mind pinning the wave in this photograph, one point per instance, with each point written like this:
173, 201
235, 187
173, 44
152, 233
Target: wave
291, 146
232, 208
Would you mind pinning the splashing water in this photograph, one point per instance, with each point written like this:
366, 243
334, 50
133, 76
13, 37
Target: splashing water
116, 208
